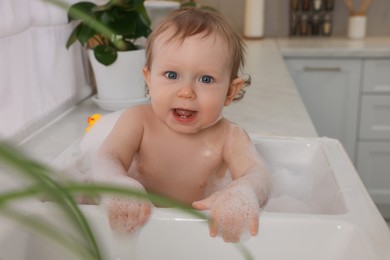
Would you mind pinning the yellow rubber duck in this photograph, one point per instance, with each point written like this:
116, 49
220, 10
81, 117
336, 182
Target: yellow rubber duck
92, 120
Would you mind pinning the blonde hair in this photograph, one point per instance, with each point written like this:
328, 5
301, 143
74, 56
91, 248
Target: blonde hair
192, 21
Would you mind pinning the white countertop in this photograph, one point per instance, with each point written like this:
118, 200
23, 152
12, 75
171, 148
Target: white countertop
271, 106
372, 47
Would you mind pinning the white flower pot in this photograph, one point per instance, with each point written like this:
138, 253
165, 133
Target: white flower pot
157, 10
121, 81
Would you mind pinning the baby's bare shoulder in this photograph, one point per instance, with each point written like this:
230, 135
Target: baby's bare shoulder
140, 112
234, 131
144, 108
236, 139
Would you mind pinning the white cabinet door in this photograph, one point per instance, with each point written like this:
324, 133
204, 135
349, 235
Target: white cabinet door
374, 169
376, 76
330, 91
375, 117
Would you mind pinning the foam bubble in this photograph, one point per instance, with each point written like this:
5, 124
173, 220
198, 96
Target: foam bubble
292, 189
233, 210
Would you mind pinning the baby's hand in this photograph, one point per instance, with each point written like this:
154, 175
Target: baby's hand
126, 214
233, 211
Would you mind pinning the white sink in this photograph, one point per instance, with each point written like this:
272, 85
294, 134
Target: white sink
319, 210
303, 181
172, 235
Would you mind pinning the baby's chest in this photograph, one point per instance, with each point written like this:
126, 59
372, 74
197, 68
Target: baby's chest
181, 159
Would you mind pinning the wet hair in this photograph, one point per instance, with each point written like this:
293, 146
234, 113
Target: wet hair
188, 22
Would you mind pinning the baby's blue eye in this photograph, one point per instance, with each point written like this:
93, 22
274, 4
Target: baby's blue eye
206, 79
171, 75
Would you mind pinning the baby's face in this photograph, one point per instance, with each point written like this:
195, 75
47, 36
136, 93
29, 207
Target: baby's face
189, 82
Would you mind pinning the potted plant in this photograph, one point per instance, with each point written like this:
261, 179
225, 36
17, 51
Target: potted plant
193, 3
110, 31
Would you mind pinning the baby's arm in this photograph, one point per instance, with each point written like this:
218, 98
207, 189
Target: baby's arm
110, 166
235, 209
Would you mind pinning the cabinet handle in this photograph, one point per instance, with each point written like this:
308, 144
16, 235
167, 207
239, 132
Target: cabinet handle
335, 69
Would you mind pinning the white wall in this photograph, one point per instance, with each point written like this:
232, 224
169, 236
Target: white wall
39, 77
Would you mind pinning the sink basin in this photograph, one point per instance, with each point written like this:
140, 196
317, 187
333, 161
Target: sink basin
303, 181
172, 235
319, 209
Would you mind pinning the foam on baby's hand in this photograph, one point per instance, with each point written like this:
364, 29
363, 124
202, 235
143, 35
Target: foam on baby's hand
126, 215
234, 212
238, 213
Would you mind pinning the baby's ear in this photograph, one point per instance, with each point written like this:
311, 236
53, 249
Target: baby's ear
235, 86
146, 73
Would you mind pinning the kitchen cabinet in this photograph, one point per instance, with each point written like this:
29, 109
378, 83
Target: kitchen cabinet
330, 91
373, 165
373, 152
375, 117
349, 99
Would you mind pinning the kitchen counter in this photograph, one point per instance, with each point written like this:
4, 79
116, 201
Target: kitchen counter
372, 47
271, 107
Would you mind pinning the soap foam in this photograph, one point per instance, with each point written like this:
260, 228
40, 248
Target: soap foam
292, 189
234, 209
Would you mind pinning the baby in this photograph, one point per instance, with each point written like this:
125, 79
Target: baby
179, 143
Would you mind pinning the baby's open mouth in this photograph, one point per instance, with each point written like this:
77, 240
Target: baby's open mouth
183, 113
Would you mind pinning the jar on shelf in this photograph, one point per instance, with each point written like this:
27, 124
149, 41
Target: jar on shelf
317, 5
327, 25
315, 25
304, 25
329, 5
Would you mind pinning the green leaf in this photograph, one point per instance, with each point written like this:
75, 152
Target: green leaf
73, 36
105, 54
85, 33
129, 4
189, 4
137, 3
84, 7
121, 22
144, 14
142, 29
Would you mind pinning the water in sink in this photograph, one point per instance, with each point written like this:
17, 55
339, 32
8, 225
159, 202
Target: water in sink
302, 179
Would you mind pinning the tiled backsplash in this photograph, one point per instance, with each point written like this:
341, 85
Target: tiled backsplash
276, 16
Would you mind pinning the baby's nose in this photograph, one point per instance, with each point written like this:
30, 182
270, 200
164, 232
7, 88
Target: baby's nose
187, 92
